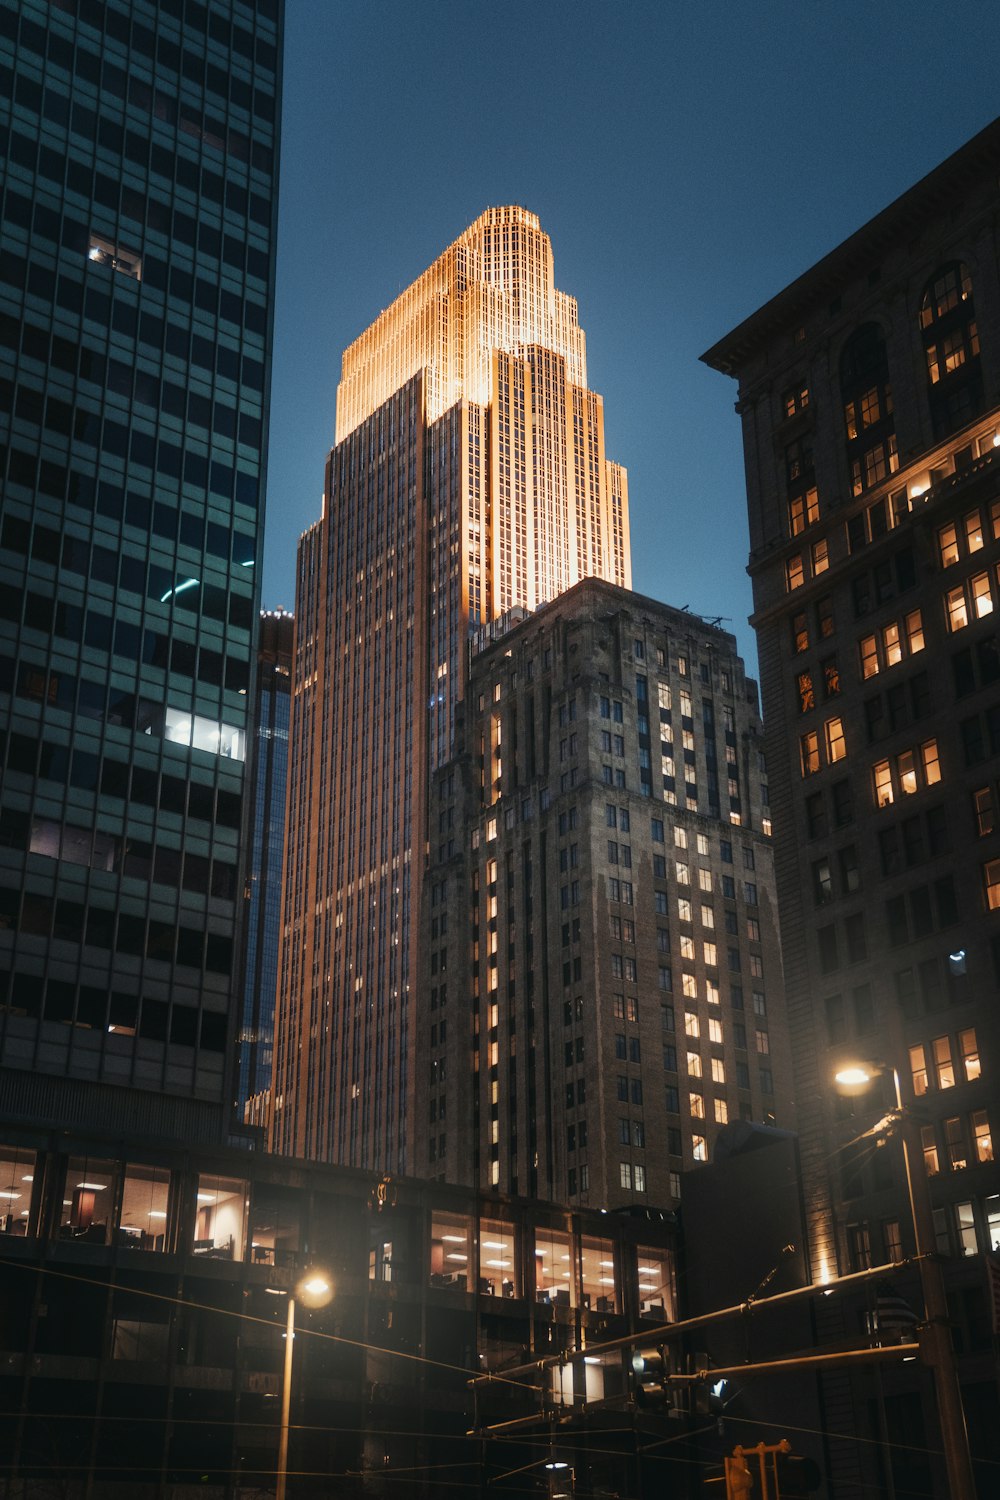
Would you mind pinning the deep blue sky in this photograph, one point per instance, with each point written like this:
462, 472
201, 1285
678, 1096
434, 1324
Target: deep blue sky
688, 160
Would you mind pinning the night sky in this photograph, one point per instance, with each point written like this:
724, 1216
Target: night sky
687, 160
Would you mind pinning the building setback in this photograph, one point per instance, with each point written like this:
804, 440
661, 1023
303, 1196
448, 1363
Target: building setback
136, 289
267, 796
870, 403
469, 477
600, 953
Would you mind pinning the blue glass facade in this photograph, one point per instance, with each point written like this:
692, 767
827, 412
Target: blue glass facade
268, 785
136, 288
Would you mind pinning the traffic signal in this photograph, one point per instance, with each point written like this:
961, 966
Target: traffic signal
651, 1377
706, 1398
794, 1476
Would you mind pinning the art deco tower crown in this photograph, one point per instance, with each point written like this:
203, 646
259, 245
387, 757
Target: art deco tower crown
469, 478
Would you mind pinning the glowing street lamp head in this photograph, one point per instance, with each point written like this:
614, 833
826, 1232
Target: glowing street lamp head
856, 1076
315, 1289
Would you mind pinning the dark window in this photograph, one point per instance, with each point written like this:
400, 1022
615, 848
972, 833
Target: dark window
866, 396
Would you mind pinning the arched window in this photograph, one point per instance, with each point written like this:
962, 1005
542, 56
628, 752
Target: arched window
951, 348
870, 427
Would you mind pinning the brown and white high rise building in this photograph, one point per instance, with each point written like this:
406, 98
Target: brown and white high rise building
469, 477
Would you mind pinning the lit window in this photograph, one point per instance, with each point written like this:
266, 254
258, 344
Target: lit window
809, 752
836, 748
931, 762
982, 599
687, 948
699, 1148
219, 1225
882, 780
914, 631
104, 253
800, 633
952, 351
794, 573
142, 1225
796, 400
715, 1030
689, 988
449, 1259
711, 957
982, 1138
803, 510
820, 557
683, 909
991, 875
721, 1112
869, 656
969, 1052
965, 1225
691, 1026
944, 1068
697, 1102
955, 609
807, 698
891, 645
972, 525
906, 768
947, 539
918, 1070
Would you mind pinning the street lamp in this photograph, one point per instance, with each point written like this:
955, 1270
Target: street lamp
314, 1290
936, 1343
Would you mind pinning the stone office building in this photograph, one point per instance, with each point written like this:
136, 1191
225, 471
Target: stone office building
601, 977
869, 392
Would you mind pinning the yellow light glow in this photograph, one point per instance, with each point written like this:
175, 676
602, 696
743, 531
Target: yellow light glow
853, 1077
316, 1286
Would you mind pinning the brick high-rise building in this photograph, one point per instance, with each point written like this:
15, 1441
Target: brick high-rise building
869, 391
600, 973
136, 293
469, 477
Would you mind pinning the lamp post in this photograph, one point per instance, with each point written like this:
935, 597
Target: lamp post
936, 1343
314, 1290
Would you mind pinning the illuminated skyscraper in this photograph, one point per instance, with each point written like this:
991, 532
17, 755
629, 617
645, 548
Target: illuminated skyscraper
469, 478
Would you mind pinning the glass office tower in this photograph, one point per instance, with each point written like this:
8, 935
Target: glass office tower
266, 796
136, 292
